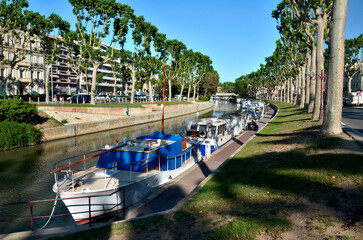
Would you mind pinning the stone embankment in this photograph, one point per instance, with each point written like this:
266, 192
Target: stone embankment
86, 120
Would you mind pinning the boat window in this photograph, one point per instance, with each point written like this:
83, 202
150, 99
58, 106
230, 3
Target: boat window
194, 127
212, 130
202, 128
219, 129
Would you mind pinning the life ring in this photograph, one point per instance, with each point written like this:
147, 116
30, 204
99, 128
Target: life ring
202, 134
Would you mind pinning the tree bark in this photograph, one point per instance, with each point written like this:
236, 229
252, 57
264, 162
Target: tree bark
94, 78
170, 96
151, 92
333, 113
302, 85
321, 24
313, 79
308, 80
47, 76
133, 77
181, 91
189, 92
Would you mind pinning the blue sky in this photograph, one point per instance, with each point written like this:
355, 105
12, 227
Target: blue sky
236, 34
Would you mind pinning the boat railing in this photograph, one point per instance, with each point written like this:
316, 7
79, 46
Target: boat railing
147, 165
33, 216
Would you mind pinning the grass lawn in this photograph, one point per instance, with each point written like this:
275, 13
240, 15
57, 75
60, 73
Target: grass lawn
287, 183
114, 104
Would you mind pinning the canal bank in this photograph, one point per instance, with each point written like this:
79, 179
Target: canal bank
136, 117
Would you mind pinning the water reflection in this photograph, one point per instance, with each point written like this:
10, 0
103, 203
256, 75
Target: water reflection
25, 172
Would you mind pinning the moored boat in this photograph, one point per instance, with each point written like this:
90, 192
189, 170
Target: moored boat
122, 174
213, 133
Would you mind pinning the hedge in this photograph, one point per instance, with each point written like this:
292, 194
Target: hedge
17, 110
13, 134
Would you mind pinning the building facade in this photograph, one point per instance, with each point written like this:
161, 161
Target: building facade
27, 76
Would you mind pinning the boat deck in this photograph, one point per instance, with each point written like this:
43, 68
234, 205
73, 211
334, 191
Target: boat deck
98, 180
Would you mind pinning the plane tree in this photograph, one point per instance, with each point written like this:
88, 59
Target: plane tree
99, 21
174, 49
333, 110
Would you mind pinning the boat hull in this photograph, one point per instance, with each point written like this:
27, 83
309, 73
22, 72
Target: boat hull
92, 205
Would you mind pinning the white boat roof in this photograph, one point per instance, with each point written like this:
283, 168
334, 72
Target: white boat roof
212, 121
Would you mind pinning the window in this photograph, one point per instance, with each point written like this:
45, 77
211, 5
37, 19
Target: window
38, 75
37, 46
31, 59
10, 56
38, 60
9, 41
31, 46
21, 73
20, 41
31, 74
2, 73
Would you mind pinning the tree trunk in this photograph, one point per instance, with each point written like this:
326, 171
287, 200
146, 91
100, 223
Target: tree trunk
181, 91
47, 76
8, 80
349, 85
115, 86
151, 92
94, 81
302, 85
133, 77
333, 113
170, 96
307, 81
313, 79
194, 90
288, 91
291, 91
189, 92
319, 67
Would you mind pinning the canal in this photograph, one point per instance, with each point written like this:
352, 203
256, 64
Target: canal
25, 173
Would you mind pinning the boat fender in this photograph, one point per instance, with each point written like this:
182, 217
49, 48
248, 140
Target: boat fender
107, 147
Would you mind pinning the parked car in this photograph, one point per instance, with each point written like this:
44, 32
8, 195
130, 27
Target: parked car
140, 96
184, 98
102, 98
81, 97
120, 98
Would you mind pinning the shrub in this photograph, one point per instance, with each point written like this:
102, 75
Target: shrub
15, 134
204, 98
17, 110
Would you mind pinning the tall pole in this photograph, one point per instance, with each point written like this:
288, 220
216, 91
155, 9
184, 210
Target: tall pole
162, 119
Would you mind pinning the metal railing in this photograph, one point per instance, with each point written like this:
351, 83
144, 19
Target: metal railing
31, 204
178, 161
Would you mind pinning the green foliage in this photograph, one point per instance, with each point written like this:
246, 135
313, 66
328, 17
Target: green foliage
17, 134
17, 110
204, 98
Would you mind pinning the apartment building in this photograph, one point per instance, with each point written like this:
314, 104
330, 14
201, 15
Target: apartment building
28, 75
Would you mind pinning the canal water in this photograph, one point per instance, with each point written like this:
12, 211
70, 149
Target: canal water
25, 173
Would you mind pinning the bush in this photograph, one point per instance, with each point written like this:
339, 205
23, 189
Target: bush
204, 98
17, 134
17, 110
